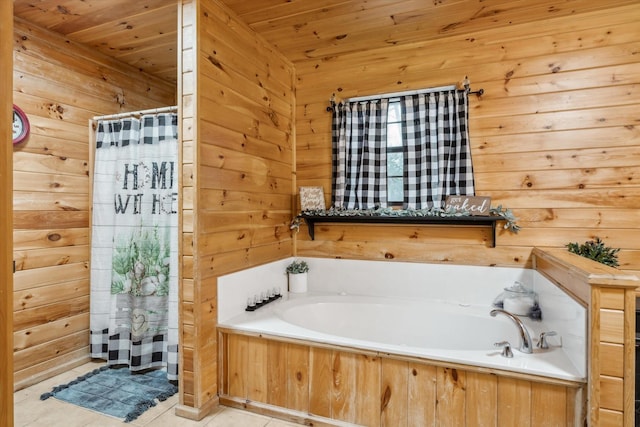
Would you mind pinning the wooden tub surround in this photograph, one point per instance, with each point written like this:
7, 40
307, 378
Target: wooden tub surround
322, 384
610, 296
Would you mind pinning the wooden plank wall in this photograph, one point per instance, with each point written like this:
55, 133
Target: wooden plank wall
555, 137
379, 390
60, 85
6, 219
612, 356
238, 106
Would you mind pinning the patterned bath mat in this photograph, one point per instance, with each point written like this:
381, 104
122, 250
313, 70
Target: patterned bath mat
116, 391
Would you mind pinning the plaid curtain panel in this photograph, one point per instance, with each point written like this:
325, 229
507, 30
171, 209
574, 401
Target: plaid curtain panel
359, 154
437, 156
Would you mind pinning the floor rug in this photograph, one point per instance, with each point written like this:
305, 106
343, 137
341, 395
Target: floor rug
116, 391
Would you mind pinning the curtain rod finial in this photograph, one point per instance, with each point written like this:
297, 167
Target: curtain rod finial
332, 101
467, 86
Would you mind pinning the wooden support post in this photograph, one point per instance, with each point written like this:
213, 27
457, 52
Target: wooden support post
6, 216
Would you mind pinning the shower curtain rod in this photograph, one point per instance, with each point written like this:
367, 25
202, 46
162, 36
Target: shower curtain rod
138, 113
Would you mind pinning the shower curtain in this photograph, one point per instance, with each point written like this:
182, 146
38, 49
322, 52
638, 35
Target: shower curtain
134, 241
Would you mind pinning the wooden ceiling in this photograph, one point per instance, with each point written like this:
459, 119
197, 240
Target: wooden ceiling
143, 32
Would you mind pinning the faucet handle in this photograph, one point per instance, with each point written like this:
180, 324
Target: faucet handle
506, 348
542, 342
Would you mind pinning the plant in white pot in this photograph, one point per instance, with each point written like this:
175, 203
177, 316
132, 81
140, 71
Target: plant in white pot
298, 270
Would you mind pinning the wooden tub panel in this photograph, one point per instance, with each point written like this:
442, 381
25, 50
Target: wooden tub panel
305, 383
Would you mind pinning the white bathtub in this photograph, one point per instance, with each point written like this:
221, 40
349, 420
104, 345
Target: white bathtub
428, 329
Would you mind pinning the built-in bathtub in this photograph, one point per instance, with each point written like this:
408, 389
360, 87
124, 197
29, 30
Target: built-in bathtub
436, 314
433, 311
429, 329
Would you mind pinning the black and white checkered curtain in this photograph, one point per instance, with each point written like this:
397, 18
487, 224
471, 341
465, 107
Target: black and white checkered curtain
359, 137
134, 240
437, 156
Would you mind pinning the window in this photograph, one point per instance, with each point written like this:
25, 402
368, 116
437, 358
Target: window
410, 150
395, 155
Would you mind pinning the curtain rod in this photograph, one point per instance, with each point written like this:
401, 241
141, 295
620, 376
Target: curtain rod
138, 113
399, 94
465, 83
479, 92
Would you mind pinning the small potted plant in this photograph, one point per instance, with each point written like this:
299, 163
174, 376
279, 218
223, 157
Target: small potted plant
597, 251
297, 271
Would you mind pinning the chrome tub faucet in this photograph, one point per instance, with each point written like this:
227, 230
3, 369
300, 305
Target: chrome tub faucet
526, 345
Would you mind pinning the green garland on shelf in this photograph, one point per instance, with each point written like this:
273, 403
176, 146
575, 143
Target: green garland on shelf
506, 214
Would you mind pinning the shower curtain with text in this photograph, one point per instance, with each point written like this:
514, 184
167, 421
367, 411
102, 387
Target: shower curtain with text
134, 241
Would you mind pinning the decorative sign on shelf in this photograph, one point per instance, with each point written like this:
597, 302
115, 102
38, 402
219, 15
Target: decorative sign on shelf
476, 206
312, 198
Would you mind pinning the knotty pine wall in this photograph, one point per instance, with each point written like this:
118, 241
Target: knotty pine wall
237, 103
61, 86
555, 137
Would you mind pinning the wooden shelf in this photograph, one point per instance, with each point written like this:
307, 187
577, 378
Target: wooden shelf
487, 221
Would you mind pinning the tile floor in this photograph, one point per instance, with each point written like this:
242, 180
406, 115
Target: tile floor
30, 411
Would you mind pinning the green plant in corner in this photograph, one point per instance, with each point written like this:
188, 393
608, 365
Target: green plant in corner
297, 267
597, 251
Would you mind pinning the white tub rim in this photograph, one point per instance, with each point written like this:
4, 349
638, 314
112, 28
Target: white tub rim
522, 366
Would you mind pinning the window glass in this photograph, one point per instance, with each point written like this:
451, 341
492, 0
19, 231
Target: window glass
395, 156
395, 112
394, 164
395, 190
394, 134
